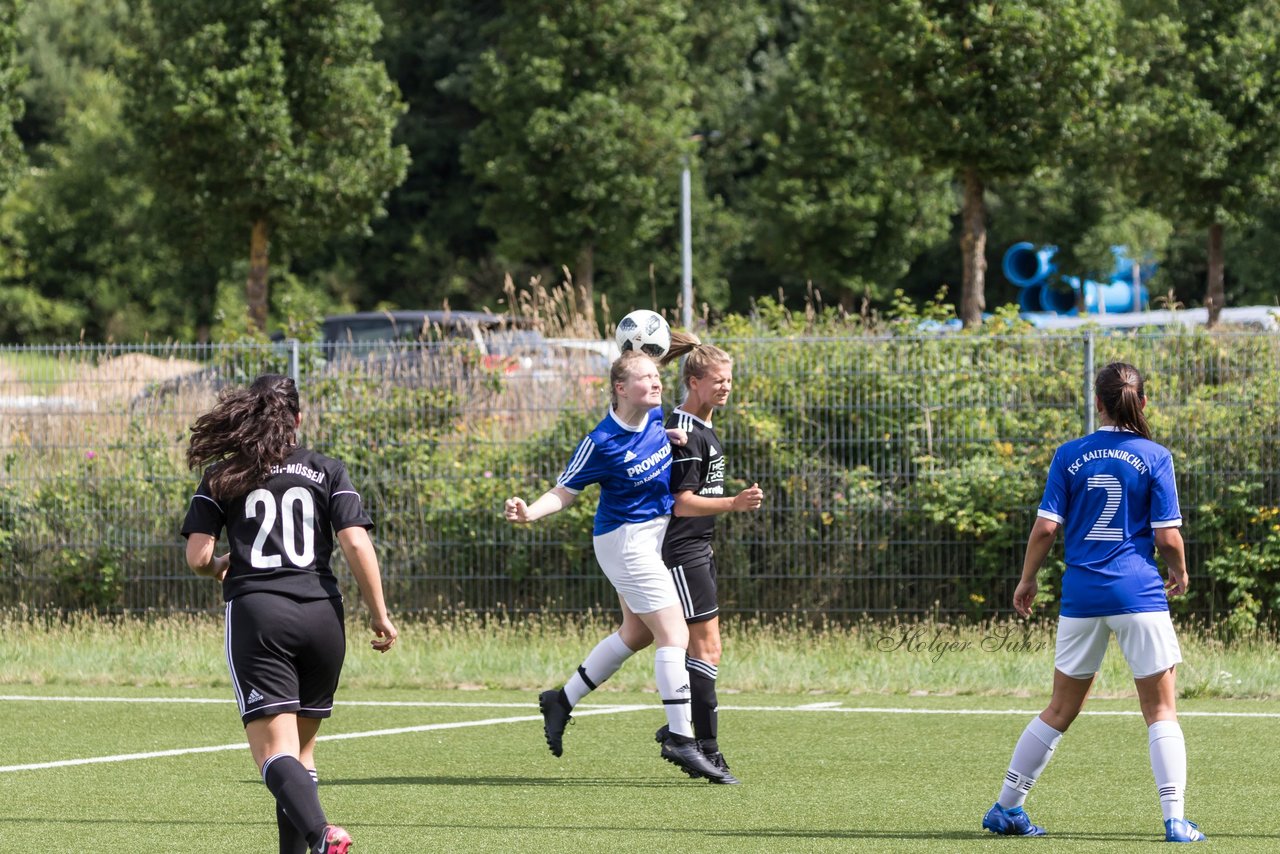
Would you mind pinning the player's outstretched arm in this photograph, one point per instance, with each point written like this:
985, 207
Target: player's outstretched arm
363, 560
553, 500
690, 503
1169, 544
202, 560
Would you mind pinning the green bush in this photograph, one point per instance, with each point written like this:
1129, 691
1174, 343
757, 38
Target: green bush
902, 471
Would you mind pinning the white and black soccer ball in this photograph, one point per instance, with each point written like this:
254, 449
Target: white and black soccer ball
645, 331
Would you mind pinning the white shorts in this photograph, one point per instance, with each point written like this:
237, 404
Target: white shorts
631, 557
1147, 640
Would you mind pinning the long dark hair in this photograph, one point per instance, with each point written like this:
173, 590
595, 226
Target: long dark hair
1120, 388
248, 431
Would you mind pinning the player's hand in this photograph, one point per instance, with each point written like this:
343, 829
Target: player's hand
1177, 583
217, 568
748, 499
676, 436
1024, 595
385, 634
515, 510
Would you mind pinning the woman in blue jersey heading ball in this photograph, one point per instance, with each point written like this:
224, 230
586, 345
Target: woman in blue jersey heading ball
1113, 494
629, 455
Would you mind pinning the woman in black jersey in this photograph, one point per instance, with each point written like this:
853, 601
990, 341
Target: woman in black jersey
698, 486
285, 641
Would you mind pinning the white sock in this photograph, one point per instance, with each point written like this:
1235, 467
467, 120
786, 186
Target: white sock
1169, 765
673, 686
602, 662
1030, 756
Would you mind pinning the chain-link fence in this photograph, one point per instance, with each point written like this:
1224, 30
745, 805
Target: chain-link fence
901, 473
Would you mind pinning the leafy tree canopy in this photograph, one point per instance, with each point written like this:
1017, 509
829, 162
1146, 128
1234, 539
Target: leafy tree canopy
11, 107
1000, 87
586, 112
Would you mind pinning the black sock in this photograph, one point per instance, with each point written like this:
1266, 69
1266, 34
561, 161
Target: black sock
291, 839
295, 793
702, 691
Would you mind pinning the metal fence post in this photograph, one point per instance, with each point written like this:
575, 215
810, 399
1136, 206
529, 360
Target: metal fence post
1089, 410
293, 360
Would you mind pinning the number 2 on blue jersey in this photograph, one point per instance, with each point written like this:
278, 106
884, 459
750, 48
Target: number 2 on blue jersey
1102, 529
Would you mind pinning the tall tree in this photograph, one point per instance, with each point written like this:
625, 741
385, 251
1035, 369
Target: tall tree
980, 91
266, 119
1207, 101
733, 53
834, 206
81, 225
66, 45
431, 246
11, 75
586, 114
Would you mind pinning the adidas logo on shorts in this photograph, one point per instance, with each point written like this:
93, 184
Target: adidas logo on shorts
254, 697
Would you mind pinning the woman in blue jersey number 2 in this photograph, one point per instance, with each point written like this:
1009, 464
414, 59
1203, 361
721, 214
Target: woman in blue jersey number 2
629, 455
1113, 494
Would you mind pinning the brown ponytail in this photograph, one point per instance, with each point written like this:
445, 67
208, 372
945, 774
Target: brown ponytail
701, 356
681, 343
1119, 387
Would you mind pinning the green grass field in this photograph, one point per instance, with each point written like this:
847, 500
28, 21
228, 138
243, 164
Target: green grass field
461, 770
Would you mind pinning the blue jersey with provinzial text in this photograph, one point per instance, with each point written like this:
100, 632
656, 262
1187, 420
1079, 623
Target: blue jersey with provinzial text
632, 466
1110, 490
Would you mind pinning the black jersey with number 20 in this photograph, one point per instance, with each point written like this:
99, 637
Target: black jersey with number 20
281, 532
698, 467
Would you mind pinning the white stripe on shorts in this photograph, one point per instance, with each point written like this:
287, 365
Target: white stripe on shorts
682, 590
231, 665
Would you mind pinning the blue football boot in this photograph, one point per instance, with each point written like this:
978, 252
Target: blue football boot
1014, 822
1181, 830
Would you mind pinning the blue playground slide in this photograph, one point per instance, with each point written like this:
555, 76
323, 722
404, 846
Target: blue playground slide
1032, 270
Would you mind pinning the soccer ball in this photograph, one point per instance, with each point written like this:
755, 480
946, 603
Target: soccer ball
645, 331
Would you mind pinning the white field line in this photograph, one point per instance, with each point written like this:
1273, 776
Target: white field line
890, 710
584, 710
605, 708
159, 754
228, 701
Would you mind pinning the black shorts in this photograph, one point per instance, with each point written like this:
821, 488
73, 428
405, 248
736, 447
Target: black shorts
696, 587
284, 655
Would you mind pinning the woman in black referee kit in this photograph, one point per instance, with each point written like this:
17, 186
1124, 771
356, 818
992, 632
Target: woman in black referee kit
285, 642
